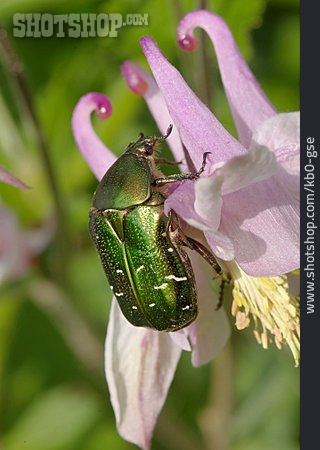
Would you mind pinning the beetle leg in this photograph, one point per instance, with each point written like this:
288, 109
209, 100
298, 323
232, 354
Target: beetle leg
208, 256
173, 227
166, 161
182, 176
204, 252
221, 294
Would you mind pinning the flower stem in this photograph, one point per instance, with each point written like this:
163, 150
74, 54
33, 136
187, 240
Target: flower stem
215, 419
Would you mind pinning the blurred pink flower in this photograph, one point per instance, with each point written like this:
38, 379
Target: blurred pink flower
246, 204
18, 247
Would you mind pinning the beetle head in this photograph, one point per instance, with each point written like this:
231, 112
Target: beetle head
145, 145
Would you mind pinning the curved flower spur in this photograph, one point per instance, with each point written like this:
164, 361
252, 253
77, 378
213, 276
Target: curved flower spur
246, 206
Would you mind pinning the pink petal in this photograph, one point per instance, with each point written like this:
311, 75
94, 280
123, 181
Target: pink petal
281, 134
249, 105
221, 245
8, 178
263, 220
180, 338
263, 223
96, 154
200, 203
182, 202
199, 129
141, 83
140, 364
256, 165
210, 331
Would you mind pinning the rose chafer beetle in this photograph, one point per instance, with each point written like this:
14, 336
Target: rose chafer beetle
141, 249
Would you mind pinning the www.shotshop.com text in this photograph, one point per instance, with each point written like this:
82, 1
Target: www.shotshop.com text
311, 227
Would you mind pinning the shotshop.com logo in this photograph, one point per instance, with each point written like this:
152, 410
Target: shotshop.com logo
73, 25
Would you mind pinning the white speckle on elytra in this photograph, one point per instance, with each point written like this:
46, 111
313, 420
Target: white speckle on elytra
173, 277
134, 307
118, 294
119, 271
170, 250
111, 287
151, 305
186, 308
162, 286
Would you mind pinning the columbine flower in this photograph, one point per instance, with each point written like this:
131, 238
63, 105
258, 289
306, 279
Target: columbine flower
140, 363
246, 205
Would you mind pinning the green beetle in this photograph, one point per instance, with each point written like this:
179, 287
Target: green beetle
141, 249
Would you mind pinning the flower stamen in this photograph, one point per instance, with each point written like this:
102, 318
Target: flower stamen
268, 302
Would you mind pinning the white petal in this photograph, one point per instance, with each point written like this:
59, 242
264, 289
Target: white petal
180, 338
208, 200
140, 364
279, 131
211, 330
257, 165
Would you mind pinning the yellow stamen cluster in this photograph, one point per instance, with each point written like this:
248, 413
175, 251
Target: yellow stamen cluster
267, 301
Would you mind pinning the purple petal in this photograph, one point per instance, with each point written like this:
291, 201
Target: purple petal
263, 223
141, 83
8, 178
199, 129
263, 220
221, 245
182, 202
259, 225
281, 134
249, 105
140, 364
256, 165
210, 331
96, 154
200, 203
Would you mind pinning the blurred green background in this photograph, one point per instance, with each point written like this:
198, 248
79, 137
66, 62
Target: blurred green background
53, 318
